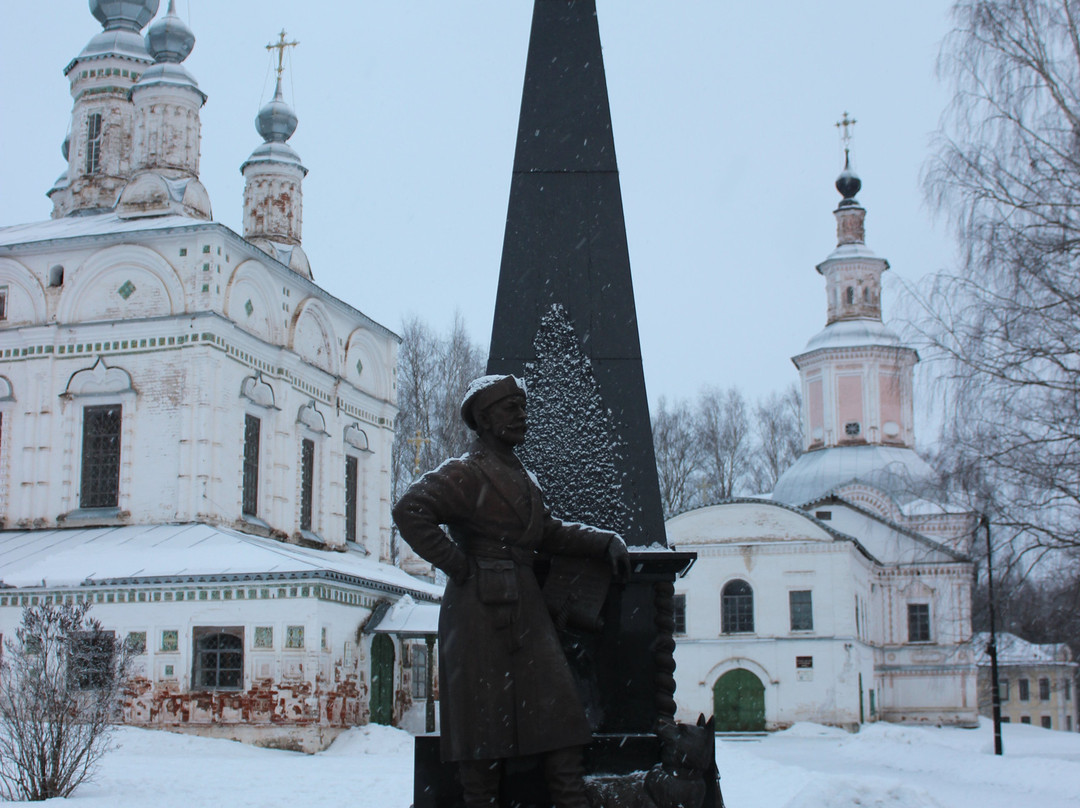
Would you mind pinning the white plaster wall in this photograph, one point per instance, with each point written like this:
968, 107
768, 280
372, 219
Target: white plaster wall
188, 346
911, 681
833, 572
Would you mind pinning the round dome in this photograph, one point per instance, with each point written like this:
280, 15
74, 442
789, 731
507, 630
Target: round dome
131, 14
116, 42
169, 39
275, 152
276, 121
848, 184
896, 471
171, 73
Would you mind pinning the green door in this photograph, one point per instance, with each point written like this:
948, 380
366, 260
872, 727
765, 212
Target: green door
739, 702
382, 679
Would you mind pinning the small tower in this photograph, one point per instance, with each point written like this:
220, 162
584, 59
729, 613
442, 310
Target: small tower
100, 140
852, 273
273, 174
167, 101
856, 374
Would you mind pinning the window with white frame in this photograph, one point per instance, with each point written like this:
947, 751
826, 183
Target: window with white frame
918, 622
801, 609
737, 608
93, 143
679, 607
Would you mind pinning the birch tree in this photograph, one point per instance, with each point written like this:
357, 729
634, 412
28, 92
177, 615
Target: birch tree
1005, 323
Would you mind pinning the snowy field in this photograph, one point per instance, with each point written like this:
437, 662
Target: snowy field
808, 766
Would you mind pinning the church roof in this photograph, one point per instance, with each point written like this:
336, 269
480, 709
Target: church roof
853, 334
895, 470
741, 519
1013, 650
406, 618
102, 224
105, 225
184, 553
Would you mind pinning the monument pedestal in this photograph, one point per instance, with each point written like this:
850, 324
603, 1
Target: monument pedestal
627, 684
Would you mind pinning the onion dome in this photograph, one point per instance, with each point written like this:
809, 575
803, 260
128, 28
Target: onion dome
169, 39
276, 121
132, 15
848, 183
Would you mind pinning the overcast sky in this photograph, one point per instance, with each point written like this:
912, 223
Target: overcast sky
724, 119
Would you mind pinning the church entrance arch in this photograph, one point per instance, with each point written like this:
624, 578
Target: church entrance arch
739, 702
382, 679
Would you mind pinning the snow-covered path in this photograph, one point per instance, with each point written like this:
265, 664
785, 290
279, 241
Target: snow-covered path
808, 766
887, 765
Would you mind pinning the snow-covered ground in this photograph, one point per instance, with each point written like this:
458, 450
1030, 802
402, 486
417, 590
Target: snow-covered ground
808, 766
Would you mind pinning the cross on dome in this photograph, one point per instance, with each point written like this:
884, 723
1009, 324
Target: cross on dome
280, 47
845, 125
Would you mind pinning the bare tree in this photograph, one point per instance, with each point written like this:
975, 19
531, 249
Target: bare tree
60, 686
433, 372
1006, 323
778, 429
725, 436
678, 456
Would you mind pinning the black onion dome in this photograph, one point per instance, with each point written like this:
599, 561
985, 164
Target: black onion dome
848, 183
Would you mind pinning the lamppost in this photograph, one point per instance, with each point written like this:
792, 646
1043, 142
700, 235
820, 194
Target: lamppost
991, 648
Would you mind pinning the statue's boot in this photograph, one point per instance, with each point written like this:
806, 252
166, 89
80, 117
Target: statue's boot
565, 775
480, 781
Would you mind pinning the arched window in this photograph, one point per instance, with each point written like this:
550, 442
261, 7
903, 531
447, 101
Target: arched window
850, 295
737, 608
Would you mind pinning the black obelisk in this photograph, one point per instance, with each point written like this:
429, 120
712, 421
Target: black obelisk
565, 260
565, 321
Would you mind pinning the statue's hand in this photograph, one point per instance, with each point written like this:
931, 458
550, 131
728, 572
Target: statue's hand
619, 557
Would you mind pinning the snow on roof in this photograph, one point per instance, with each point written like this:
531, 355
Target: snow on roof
894, 470
407, 618
164, 553
744, 520
1013, 650
95, 225
106, 224
854, 334
848, 252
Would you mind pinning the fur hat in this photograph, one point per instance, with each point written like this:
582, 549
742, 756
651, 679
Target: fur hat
484, 392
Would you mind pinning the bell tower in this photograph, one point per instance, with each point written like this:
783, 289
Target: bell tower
98, 147
856, 374
273, 178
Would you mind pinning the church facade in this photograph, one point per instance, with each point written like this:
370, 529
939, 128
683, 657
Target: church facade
195, 436
845, 597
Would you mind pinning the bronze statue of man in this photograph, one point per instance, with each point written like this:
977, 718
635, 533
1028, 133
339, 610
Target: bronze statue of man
505, 687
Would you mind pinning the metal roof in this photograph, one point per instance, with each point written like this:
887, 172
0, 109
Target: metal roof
184, 553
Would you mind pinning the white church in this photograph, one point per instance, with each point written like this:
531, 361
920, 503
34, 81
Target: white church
845, 597
194, 436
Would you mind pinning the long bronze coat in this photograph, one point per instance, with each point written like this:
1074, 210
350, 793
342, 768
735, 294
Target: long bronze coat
505, 687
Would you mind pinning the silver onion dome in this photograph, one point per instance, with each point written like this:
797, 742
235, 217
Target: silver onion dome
276, 121
130, 14
169, 39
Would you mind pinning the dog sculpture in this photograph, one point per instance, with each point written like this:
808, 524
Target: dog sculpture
686, 776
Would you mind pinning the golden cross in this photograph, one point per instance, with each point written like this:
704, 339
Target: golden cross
846, 124
280, 47
418, 443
